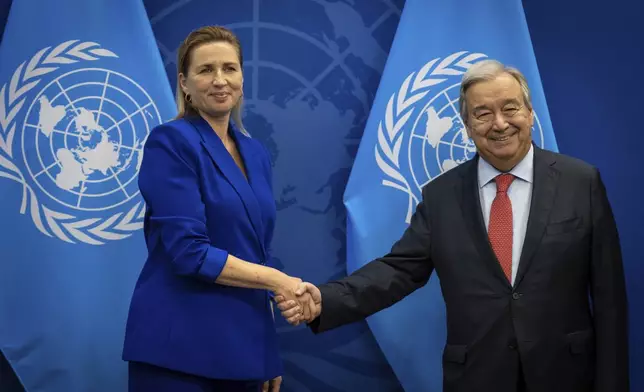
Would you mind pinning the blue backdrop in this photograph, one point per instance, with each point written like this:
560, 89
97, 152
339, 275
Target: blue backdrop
312, 70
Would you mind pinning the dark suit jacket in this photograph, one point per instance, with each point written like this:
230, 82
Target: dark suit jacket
200, 209
565, 319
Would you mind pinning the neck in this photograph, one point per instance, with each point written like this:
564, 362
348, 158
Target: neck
218, 123
504, 166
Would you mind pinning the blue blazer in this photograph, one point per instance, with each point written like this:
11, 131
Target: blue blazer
200, 209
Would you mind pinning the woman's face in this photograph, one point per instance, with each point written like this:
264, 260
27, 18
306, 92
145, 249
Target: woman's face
214, 79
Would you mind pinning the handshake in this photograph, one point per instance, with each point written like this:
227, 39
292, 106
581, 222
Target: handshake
299, 301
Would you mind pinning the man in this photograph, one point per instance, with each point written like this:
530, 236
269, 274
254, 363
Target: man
534, 286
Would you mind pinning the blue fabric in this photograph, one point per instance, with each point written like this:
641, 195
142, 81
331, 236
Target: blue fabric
148, 378
200, 209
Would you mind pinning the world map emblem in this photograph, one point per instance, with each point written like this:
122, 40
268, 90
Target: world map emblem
73, 137
422, 134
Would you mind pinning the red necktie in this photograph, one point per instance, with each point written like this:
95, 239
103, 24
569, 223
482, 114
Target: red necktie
500, 228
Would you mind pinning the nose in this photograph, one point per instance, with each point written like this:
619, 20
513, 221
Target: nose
218, 79
499, 123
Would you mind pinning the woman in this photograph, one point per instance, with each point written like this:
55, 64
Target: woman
201, 317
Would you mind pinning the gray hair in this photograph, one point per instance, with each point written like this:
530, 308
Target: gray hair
488, 70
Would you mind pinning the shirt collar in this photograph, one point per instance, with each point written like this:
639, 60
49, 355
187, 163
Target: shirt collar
523, 170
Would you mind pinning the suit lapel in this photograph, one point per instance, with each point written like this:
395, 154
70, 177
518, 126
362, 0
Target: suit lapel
226, 164
473, 216
544, 189
251, 158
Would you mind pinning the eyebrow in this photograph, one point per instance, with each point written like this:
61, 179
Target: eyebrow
228, 63
480, 107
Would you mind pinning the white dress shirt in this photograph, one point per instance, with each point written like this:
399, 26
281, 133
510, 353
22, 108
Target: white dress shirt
520, 193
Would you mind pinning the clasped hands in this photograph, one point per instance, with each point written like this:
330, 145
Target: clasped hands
298, 301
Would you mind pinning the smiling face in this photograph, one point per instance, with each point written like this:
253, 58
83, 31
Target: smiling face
214, 78
499, 121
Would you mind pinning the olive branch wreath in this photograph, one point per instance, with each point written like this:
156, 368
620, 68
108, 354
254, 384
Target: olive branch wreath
12, 99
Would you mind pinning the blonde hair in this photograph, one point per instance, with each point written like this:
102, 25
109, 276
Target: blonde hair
204, 35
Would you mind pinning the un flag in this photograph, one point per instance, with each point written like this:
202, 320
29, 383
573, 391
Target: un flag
414, 133
81, 86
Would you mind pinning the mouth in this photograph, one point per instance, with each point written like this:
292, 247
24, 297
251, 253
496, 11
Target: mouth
220, 95
501, 138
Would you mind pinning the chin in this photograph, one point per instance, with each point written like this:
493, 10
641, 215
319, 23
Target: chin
219, 111
507, 148
509, 152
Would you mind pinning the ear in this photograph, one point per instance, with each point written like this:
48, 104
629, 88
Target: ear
182, 83
531, 118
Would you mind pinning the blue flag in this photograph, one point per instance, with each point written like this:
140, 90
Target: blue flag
414, 133
81, 86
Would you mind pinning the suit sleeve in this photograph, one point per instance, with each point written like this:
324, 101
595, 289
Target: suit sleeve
169, 183
608, 291
382, 282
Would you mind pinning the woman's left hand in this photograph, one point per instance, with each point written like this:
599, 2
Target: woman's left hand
272, 385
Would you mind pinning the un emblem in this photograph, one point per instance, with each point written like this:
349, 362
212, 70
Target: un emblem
422, 135
80, 145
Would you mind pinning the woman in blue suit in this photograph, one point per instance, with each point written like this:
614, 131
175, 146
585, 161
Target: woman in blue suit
201, 317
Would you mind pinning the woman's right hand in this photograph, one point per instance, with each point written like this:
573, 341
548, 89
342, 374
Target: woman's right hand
285, 287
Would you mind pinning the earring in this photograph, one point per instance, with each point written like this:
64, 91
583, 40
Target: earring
188, 98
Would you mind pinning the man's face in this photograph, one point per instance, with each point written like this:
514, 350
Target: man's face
499, 122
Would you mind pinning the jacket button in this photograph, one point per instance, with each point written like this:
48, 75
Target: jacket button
516, 296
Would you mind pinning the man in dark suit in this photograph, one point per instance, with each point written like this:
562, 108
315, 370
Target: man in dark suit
534, 285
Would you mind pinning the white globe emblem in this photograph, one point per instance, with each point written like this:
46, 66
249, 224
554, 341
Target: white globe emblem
83, 135
80, 145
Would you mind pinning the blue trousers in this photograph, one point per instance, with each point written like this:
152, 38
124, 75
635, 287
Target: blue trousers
148, 378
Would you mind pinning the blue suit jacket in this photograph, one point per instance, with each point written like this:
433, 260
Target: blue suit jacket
200, 208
